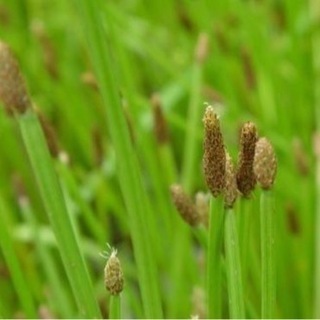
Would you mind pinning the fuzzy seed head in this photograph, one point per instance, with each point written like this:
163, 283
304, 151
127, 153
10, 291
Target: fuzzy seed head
160, 125
246, 179
214, 158
13, 92
202, 205
230, 191
113, 275
265, 163
184, 205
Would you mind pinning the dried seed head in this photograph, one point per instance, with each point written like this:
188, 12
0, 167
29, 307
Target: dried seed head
202, 205
13, 92
113, 275
214, 158
184, 205
230, 191
159, 121
49, 134
246, 179
265, 163
202, 48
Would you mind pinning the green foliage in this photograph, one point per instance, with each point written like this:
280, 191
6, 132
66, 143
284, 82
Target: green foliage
91, 68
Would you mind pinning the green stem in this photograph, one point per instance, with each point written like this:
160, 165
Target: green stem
114, 307
268, 284
214, 263
55, 207
18, 277
233, 265
128, 170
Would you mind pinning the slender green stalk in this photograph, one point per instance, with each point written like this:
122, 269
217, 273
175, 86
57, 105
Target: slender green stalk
54, 204
314, 10
114, 307
267, 256
19, 280
60, 299
233, 265
127, 166
214, 263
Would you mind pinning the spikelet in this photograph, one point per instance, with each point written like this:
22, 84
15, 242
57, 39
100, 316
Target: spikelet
160, 125
202, 204
113, 275
265, 163
230, 191
246, 179
184, 205
13, 92
49, 134
214, 158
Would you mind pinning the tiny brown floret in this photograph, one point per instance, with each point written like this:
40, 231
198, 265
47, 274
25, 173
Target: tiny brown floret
160, 125
214, 158
230, 192
184, 205
265, 163
246, 179
13, 92
113, 275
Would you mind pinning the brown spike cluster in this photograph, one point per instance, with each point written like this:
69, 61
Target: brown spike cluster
49, 134
113, 275
160, 125
214, 158
184, 205
265, 163
246, 179
230, 191
13, 92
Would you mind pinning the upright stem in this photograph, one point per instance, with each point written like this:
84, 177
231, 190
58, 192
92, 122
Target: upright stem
114, 307
267, 256
214, 263
315, 42
234, 275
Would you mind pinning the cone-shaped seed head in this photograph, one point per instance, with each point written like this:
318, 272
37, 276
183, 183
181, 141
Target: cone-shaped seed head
113, 275
13, 92
265, 163
230, 191
184, 205
214, 158
246, 180
160, 124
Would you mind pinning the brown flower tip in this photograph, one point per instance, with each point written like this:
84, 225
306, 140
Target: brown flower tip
49, 134
160, 125
113, 275
202, 205
214, 158
184, 205
202, 48
246, 179
265, 163
13, 92
230, 191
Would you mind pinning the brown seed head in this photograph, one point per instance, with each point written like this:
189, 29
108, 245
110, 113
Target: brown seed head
49, 134
265, 163
230, 191
214, 158
202, 205
184, 205
202, 48
160, 125
13, 92
246, 179
113, 275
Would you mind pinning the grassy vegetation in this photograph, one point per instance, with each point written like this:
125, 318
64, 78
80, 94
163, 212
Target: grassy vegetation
124, 86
